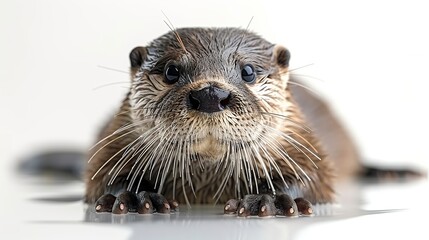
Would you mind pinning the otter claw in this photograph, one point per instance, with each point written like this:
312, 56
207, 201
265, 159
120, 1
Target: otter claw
231, 206
105, 203
125, 202
286, 206
174, 205
304, 206
142, 203
264, 205
160, 203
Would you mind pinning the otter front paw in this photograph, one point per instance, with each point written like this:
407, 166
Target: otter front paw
142, 203
264, 205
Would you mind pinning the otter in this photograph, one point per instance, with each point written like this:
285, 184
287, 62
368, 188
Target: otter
212, 116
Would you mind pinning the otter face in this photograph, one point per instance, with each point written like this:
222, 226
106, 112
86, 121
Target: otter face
212, 104
222, 88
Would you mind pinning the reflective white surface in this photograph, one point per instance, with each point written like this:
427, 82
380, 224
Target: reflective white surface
49, 210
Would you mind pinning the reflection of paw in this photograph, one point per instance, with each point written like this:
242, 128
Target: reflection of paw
143, 203
264, 205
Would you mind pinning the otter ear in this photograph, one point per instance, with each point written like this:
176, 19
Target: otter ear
281, 56
137, 57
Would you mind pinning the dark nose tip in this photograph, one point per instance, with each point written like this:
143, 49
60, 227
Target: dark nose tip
210, 99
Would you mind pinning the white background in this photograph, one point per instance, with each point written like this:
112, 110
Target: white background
369, 60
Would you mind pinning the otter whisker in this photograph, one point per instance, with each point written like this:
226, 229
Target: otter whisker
305, 140
289, 139
246, 159
115, 70
174, 179
297, 148
305, 87
143, 162
300, 150
245, 177
223, 161
297, 134
264, 169
149, 141
304, 66
188, 137
289, 158
250, 160
188, 168
272, 162
160, 137
153, 160
293, 75
182, 172
281, 152
242, 38
173, 29
111, 141
237, 171
169, 160
169, 150
141, 148
252, 168
122, 164
119, 166
181, 166
123, 128
126, 83
270, 159
267, 106
184, 192
110, 159
227, 174
284, 117
254, 152
175, 169
161, 167
126, 155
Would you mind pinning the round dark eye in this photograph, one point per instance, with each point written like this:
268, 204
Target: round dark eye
248, 73
171, 74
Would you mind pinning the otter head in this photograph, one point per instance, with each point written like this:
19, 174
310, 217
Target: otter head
207, 95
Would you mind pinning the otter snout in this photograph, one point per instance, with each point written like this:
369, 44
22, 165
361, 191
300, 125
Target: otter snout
209, 99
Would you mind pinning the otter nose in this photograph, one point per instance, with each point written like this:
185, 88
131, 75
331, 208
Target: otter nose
210, 99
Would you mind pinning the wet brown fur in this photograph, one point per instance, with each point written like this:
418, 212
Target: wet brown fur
259, 114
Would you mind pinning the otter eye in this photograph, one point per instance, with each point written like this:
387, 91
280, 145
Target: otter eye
248, 73
171, 74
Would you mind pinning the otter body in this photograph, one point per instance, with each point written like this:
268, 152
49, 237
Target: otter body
209, 117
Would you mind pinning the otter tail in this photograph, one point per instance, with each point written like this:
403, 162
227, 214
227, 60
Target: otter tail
58, 164
383, 174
